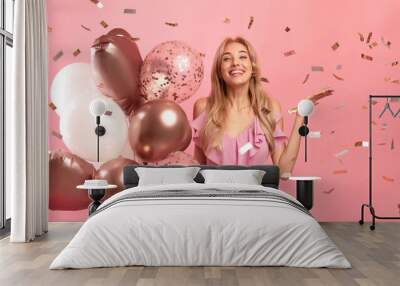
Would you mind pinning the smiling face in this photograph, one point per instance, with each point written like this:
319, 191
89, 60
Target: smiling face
236, 66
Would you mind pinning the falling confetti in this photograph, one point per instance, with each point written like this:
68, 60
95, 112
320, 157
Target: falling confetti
317, 68
58, 55
395, 63
52, 105
76, 52
392, 145
56, 134
287, 29
335, 46
135, 39
129, 11
366, 57
104, 24
227, 20
382, 144
314, 134
202, 55
374, 102
108, 113
329, 191
337, 77
369, 37
292, 110
339, 67
171, 24
395, 81
361, 37
251, 22
337, 172
264, 79
322, 94
373, 45
341, 153
387, 44
388, 179
333, 131
289, 53
49, 29
86, 28
97, 3
306, 78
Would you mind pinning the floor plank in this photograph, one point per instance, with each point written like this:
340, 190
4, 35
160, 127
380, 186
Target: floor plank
375, 257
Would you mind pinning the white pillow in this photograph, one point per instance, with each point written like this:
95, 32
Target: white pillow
248, 177
162, 176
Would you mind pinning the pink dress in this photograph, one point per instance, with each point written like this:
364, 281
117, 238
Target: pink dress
248, 148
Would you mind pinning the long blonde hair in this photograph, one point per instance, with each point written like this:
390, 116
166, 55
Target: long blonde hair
216, 108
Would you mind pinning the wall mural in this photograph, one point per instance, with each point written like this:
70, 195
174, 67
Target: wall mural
151, 67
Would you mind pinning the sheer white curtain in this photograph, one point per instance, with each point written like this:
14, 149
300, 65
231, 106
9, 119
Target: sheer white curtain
26, 123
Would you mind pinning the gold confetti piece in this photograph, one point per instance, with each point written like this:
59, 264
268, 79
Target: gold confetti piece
58, 55
171, 24
317, 68
251, 22
135, 39
264, 79
341, 153
358, 144
314, 134
287, 29
56, 134
202, 55
337, 172
382, 144
364, 107
129, 11
387, 79
86, 28
392, 145
292, 110
395, 63
337, 77
318, 96
339, 67
76, 52
361, 37
108, 113
335, 46
369, 37
386, 44
289, 53
366, 57
373, 122
227, 20
374, 102
332, 131
373, 45
52, 105
104, 24
49, 29
97, 3
395, 81
306, 78
388, 179
329, 191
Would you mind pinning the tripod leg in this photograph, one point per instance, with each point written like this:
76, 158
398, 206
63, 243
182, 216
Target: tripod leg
372, 227
361, 221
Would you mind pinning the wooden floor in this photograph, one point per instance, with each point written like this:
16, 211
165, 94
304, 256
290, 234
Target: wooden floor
375, 257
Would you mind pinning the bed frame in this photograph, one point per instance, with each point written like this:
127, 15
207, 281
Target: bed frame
270, 179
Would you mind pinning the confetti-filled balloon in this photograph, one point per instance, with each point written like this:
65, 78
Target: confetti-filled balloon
158, 128
172, 70
116, 63
66, 172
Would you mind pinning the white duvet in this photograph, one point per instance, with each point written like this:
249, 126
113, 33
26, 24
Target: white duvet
200, 231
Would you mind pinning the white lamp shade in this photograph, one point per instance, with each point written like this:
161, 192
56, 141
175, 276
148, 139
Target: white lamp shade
97, 107
305, 107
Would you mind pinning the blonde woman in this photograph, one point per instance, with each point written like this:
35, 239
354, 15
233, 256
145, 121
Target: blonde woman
239, 124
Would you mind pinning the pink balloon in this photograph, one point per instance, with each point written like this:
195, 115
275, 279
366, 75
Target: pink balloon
172, 70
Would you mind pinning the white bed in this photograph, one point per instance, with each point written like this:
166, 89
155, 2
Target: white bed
250, 225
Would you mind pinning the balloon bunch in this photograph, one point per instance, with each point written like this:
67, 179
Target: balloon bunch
143, 114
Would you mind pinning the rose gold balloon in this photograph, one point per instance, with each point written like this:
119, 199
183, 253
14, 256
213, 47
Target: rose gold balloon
116, 62
66, 172
112, 171
158, 128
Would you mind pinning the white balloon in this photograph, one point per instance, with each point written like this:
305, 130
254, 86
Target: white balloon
77, 127
71, 84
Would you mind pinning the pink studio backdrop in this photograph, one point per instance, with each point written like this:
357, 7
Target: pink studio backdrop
315, 26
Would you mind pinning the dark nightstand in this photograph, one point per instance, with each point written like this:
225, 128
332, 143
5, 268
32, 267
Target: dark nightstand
305, 190
96, 194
